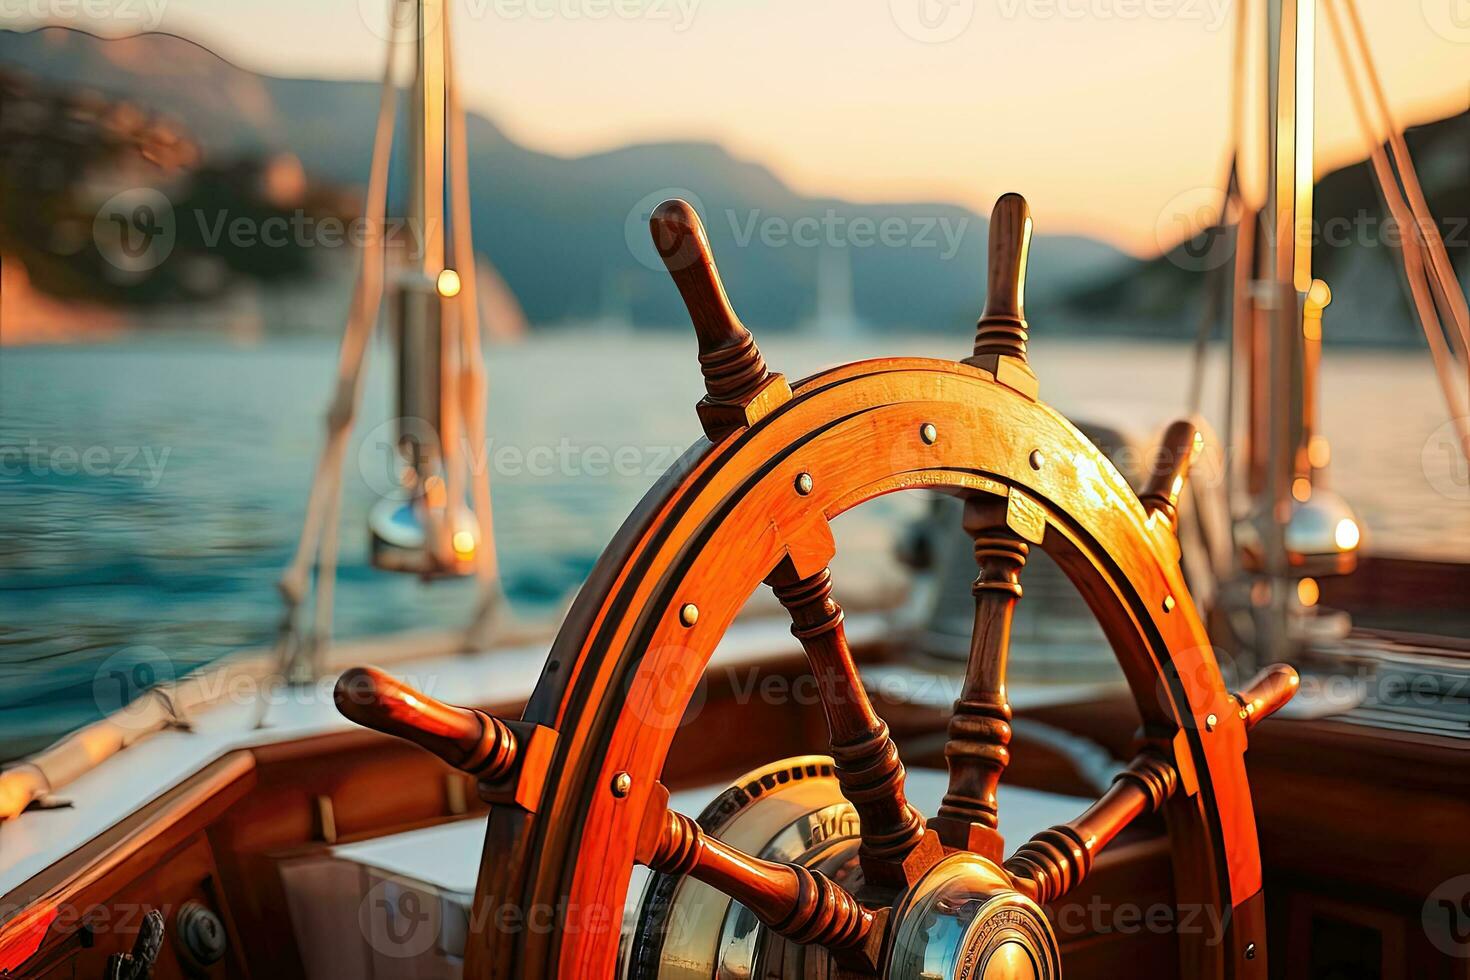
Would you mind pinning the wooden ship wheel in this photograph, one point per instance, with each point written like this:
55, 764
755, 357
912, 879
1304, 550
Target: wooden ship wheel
839, 874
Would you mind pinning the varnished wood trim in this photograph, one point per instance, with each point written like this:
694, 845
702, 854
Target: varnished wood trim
126, 848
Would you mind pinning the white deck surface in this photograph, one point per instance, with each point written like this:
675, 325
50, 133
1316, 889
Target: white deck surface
150, 767
446, 857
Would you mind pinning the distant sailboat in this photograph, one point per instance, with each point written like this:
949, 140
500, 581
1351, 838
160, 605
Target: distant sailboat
835, 317
615, 311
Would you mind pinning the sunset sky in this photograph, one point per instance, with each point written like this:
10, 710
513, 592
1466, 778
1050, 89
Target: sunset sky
1101, 111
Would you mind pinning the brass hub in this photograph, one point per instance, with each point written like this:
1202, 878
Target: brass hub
961, 921
790, 810
964, 921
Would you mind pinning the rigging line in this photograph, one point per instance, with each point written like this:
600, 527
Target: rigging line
1393, 185
1214, 302
324, 499
473, 385
1230, 190
361, 319
1439, 260
1410, 251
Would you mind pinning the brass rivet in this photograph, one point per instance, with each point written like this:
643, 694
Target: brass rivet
689, 614
1250, 951
804, 483
928, 433
1168, 603
622, 784
1210, 722
1036, 459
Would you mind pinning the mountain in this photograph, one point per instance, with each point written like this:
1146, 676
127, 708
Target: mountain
568, 233
1355, 251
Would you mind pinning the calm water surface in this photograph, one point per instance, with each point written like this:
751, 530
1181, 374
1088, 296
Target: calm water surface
151, 492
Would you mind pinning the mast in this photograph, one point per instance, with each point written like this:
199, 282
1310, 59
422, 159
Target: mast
419, 310
424, 524
1299, 528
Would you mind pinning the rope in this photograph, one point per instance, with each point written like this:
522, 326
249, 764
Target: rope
1230, 192
319, 532
473, 386
1417, 273
1446, 285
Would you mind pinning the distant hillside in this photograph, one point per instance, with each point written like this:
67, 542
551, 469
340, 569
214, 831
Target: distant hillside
559, 229
1353, 253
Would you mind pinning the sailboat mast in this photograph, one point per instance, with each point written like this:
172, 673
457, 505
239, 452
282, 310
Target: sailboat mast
420, 312
1286, 265
426, 206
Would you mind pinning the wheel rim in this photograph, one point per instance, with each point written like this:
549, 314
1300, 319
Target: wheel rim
625, 665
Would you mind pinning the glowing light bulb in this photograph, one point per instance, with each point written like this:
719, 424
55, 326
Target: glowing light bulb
448, 283
464, 543
1319, 294
1346, 534
1319, 452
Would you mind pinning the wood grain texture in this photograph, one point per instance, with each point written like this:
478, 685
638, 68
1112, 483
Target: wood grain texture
802, 905
724, 521
865, 758
468, 739
740, 388
1055, 861
1176, 452
979, 729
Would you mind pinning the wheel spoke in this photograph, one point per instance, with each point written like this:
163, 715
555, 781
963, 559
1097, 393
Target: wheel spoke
739, 387
1266, 693
980, 729
867, 762
467, 738
1177, 450
803, 905
1056, 860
